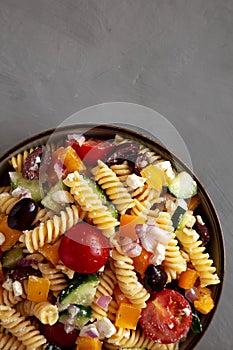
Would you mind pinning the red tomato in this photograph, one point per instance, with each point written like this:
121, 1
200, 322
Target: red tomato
57, 335
167, 318
92, 149
84, 249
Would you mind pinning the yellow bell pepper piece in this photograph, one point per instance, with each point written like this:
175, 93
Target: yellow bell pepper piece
154, 177
38, 289
127, 316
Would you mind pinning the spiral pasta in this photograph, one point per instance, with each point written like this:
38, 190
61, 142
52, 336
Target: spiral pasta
17, 161
174, 262
46, 312
106, 286
128, 280
50, 230
126, 338
115, 190
7, 201
122, 171
22, 329
90, 203
198, 257
152, 156
10, 342
5, 189
8, 298
57, 279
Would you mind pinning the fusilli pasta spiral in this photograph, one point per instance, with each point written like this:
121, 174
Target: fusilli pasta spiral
46, 312
89, 202
106, 286
10, 342
198, 257
7, 201
20, 328
56, 278
50, 230
115, 190
127, 279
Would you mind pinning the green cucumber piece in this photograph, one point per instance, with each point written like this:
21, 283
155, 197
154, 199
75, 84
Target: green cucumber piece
102, 196
196, 323
177, 216
80, 291
83, 316
186, 220
33, 186
183, 185
11, 257
52, 347
48, 201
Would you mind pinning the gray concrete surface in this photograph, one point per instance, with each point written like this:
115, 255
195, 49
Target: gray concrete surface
59, 56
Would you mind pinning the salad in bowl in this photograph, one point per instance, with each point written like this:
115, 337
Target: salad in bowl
107, 241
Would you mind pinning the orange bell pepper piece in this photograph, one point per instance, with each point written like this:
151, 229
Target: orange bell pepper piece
127, 316
128, 225
142, 261
188, 279
11, 235
84, 343
50, 252
38, 289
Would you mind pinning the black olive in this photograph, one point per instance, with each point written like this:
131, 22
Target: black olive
33, 163
203, 231
155, 278
22, 273
126, 151
23, 214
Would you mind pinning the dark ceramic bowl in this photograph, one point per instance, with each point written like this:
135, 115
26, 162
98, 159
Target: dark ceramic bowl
207, 207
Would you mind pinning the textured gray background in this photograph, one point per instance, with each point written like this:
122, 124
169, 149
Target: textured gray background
175, 56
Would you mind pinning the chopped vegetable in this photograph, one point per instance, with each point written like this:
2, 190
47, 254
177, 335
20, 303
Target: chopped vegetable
204, 304
183, 185
154, 176
11, 235
11, 257
80, 291
194, 202
127, 316
142, 261
187, 279
76, 316
50, 252
38, 289
128, 225
84, 343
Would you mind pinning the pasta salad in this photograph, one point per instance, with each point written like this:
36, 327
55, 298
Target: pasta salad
102, 246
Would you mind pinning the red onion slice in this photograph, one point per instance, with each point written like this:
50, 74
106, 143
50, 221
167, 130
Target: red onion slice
151, 235
103, 301
191, 294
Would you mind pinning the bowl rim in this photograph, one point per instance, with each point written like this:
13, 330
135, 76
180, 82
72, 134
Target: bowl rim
142, 137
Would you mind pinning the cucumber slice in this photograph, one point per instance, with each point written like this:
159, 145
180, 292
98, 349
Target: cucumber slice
11, 257
82, 317
102, 196
183, 185
33, 186
48, 200
52, 347
80, 291
176, 217
186, 220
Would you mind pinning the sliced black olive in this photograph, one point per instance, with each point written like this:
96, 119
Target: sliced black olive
33, 163
125, 152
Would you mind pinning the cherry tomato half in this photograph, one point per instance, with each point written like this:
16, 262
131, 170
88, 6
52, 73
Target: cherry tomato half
84, 249
92, 149
167, 318
57, 335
